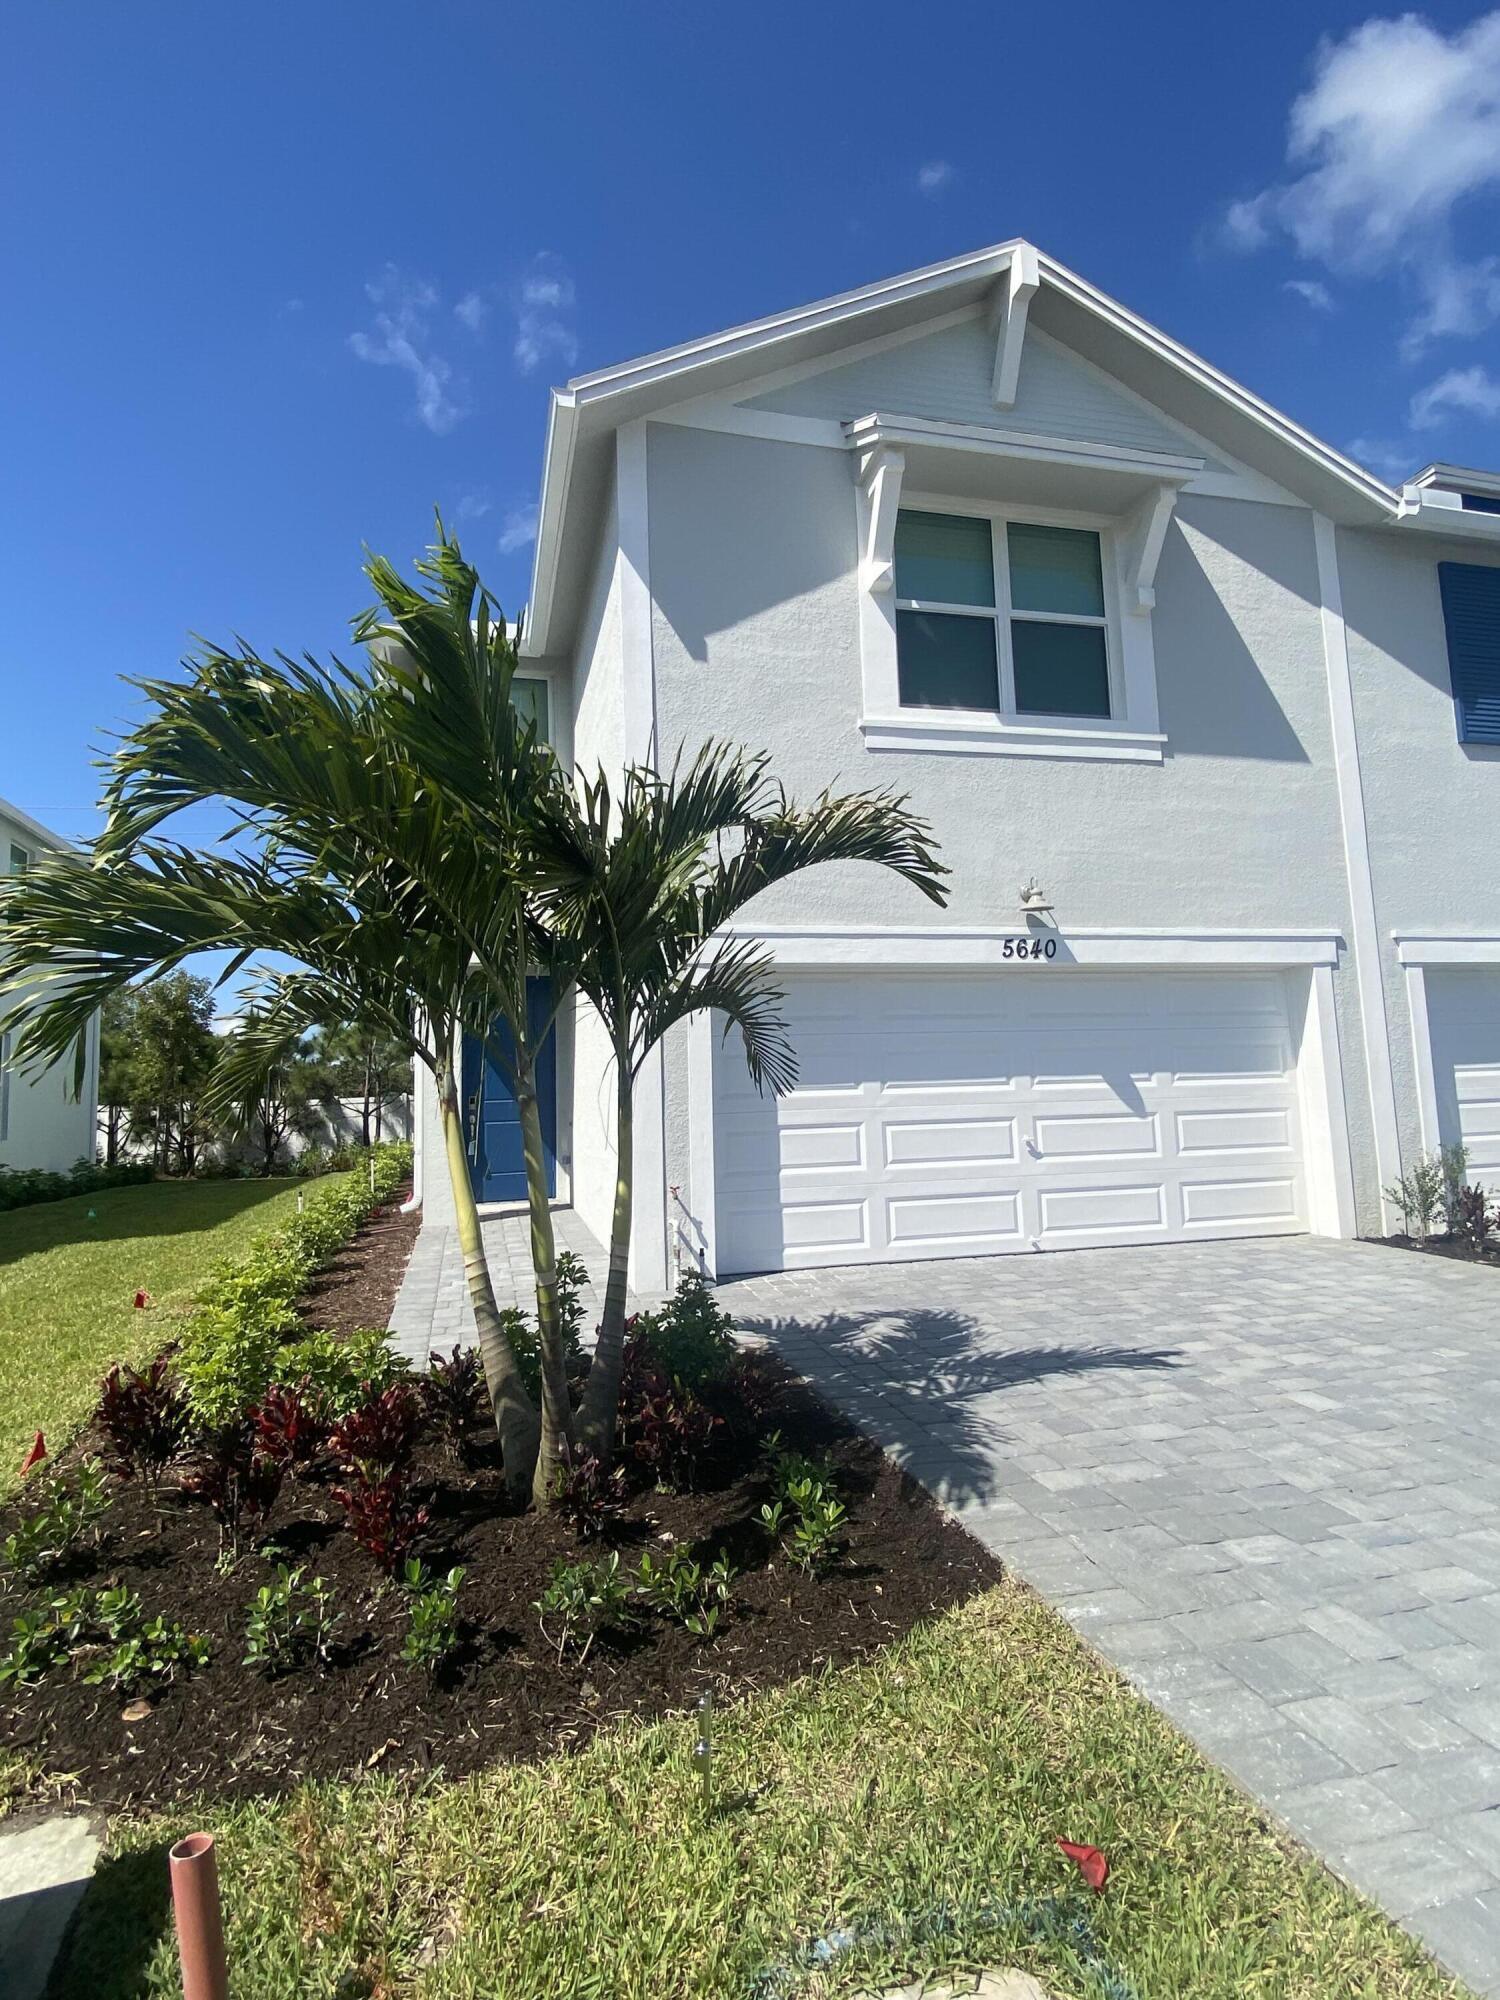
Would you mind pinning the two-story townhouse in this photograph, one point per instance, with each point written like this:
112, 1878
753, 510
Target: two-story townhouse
1204, 718
44, 1122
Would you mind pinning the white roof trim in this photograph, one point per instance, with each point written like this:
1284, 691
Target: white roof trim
666, 372
32, 826
879, 428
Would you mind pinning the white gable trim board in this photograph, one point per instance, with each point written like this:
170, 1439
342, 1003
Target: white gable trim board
961, 1097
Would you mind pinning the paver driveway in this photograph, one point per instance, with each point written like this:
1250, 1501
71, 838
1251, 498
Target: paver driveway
1262, 1478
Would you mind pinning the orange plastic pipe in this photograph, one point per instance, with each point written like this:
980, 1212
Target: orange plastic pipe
200, 1919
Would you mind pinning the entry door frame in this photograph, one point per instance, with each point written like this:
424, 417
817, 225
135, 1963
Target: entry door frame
562, 1178
1419, 952
1311, 954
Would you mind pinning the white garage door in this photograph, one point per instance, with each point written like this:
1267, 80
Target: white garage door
1463, 1010
960, 1115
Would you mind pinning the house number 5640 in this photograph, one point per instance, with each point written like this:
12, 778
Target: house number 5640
1028, 947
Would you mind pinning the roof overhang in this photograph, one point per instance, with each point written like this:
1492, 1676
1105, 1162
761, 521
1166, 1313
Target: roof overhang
32, 827
586, 415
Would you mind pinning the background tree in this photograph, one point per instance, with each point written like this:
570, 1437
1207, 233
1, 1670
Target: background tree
363, 1062
284, 1100
174, 1053
117, 1086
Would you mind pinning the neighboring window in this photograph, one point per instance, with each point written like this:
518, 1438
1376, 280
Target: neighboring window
529, 698
20, 859
1480, 503
1471, 614
1007, 616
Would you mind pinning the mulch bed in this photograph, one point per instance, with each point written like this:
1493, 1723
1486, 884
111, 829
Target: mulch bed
507, 1695
1442, 1246
359, 1287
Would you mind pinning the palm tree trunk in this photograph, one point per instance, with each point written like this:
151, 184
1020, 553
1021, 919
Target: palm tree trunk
601, 1398
557, 1411
515, 1414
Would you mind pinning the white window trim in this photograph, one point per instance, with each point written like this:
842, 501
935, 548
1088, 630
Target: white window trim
1418, 953
1128, 547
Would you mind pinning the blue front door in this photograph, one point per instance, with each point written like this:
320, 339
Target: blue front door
492, 1120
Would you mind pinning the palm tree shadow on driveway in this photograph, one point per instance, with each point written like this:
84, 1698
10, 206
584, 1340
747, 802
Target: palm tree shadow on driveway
931, 1381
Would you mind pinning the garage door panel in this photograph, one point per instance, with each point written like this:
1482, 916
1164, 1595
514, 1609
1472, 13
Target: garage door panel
1241, 1204
961, 1225
1094, 1211
913, 1144
958, 1114
1095, 1136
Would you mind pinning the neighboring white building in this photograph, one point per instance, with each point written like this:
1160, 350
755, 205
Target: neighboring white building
42, 1123
1118, 628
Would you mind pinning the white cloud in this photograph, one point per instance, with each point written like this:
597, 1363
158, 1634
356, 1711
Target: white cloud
1399, 127
472, 507
543, 304
933, 176
1388, 457
472, 310
400, 337
1473, 392
518, 529
1313, 291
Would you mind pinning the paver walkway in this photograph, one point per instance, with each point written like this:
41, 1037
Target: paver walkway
432, 1310
45, 1867
1260, 1477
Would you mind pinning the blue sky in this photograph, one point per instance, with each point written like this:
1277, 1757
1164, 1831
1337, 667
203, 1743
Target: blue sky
275, 281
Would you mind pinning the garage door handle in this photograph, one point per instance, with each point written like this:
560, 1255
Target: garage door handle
1034, 1149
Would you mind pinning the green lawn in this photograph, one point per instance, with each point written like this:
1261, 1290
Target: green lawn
67, 1285
900, 1794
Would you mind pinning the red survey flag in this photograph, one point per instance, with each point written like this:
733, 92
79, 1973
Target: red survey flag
142, 1298
36, 1454
1092, 1865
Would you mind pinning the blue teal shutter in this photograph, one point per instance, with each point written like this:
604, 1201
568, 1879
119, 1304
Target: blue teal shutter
1471, 612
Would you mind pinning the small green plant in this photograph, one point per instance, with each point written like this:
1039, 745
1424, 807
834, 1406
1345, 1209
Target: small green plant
291, 1620
683, 1589
804, 1513
65, 1515
572, 1276
1419, 1194
151, 1655
432, 1633
582, 1600
36, 1646
690, 1339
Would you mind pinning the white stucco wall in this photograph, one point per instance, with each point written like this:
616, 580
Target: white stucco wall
755, 637
1432, 804
46, 1124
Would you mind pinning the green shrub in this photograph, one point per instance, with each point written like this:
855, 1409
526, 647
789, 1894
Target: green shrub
691, 1338
581, 1600
432, 1634
804, 1513
24, 1187
683, 1589
338, 1373
290, 1620
137, 1652
64, 1514
572, 1276
233, 1347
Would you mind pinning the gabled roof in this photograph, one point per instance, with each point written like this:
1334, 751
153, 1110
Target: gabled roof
587, 413
31, 826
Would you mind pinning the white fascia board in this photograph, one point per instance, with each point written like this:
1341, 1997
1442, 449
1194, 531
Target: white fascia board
557, 466
1448, 947
966, 946
1239, 398
1458, 479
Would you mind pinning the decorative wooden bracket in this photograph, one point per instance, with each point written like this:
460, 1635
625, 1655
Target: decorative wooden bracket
880, 470
1145, 530
1013, 302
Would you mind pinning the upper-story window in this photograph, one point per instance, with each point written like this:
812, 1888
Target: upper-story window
1471, 614
1001, 615
529, 697
20, 858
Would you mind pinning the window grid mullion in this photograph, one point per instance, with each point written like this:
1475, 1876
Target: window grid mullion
1000, 551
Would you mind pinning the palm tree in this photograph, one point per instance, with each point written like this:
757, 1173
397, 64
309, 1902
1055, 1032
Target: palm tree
397, 903
641, 889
